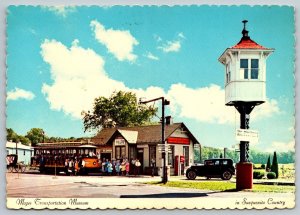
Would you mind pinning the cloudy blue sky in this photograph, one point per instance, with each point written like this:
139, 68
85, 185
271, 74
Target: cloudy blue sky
60, 58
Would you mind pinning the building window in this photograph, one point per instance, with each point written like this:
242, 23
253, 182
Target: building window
186, 154
171, 156
228, 73
254, 68
152, 153
251, 68
120, 152
132, 152
244, 67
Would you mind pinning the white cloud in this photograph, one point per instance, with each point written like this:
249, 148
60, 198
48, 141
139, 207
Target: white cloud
79, 77
203, 104
207, 104
119, 43
18, 93
151, 56
181, 35
62, 11
157, 38
170, 46
282, 146
150, 93
266, 109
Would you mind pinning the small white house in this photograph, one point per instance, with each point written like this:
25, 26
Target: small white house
245, 71
24, 152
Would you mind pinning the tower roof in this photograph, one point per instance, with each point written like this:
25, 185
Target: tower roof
246, 42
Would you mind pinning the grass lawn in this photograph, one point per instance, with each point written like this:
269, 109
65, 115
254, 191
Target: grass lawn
286, 171
225, 186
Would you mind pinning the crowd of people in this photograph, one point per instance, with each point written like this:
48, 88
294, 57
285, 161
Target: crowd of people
120, 167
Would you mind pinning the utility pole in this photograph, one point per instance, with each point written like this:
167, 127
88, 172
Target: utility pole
225, 152
164, 102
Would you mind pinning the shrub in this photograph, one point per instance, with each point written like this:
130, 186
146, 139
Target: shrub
274, 166
271, 175
268, 167
258, 175
263, 166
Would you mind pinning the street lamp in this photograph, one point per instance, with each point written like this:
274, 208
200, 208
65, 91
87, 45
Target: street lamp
164, 102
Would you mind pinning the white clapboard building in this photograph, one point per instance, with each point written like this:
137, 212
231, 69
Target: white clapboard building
24, 152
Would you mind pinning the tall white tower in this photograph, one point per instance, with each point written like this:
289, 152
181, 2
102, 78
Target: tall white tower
245, 87
245, 71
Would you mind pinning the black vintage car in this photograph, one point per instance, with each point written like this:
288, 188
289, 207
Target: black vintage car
212, 168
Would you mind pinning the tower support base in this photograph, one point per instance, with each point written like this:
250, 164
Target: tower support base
244, 176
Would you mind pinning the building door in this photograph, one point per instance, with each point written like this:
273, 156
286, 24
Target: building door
105, 156
140, 156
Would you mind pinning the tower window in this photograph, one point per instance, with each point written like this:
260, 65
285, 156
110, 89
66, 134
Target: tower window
249, 70
244, 67
228, 73
254, 68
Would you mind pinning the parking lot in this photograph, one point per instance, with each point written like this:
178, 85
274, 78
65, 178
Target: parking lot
50, 186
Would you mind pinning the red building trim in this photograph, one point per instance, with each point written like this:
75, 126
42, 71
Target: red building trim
179, 140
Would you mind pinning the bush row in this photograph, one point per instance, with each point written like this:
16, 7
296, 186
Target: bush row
260, 175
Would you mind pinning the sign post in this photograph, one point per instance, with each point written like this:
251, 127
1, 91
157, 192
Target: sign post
164, 157
247, 135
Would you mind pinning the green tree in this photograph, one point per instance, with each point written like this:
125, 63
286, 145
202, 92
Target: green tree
120, 109
36, 135
12, 136
24, 140
274, 167
268, 167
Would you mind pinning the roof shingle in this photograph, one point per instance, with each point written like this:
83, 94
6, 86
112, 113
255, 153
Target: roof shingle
146, 134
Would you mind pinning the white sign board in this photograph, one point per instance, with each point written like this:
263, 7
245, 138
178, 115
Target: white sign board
163, 148
120, 142
247, 135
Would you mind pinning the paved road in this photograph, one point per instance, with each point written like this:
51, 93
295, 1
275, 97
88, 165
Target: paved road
49, 186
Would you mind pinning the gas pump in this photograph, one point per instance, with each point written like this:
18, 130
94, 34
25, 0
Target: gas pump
182, 159
179, 165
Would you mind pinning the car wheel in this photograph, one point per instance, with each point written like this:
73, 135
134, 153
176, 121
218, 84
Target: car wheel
226, 175
191, 175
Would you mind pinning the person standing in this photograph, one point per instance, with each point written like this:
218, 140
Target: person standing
103, 166
137, 166
76, 167
153, 164
67, 166
117, 167
71, 166
127, 168
132, 166
123, 168
109, 168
